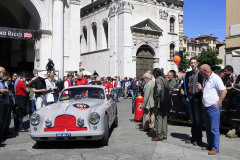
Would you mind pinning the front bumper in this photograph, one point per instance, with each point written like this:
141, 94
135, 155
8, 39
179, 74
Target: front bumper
75, 135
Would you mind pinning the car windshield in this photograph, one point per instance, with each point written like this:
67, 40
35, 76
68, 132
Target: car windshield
82, 92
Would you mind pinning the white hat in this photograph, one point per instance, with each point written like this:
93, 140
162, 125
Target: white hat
43, 75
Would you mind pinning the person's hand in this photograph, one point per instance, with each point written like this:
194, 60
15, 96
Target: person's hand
182, 92
199, 86
43, 90
217, 105
141, 107
175, 89
5, 91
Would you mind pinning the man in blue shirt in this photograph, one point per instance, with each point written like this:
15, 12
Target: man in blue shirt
6, 107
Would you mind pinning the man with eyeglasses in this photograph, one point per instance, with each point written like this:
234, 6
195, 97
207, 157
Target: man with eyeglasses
194, 103
81, 80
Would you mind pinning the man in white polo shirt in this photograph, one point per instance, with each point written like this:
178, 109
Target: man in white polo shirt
214, 92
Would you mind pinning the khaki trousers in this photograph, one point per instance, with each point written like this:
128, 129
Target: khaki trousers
125, 92
161, 126
148, 118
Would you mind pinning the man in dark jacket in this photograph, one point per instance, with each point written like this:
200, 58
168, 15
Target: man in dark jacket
193, 98
162, 105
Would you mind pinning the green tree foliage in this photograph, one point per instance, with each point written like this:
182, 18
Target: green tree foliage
185, 60
209, 57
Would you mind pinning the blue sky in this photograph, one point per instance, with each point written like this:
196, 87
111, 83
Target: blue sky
204, 17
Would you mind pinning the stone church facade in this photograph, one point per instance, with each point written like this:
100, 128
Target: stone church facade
126, 38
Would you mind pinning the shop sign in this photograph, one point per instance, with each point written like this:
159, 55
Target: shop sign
16, 33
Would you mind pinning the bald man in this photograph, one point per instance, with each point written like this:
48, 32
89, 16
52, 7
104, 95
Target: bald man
214, 93
81, 80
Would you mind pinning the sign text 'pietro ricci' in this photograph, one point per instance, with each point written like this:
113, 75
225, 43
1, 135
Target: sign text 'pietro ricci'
16, 33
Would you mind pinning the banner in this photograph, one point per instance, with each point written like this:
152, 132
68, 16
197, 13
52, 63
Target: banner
16, 33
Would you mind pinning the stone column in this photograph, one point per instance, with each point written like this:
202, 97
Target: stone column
125, 39
58, 38
113, 32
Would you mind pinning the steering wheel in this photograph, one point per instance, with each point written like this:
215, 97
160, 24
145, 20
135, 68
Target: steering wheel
95, 95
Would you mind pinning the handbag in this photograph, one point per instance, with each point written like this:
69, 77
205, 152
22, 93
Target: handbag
50, 98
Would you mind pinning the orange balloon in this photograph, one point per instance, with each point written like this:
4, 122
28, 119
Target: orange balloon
176, 60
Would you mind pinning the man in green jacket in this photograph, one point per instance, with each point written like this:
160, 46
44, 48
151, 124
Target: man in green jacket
148, 104
162, 110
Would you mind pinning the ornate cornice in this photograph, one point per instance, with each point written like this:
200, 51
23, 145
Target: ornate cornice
94, 6
76, 2
124, 5
163, 14
144, 35
120, 7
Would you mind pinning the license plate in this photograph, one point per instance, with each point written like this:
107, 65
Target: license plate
63, 135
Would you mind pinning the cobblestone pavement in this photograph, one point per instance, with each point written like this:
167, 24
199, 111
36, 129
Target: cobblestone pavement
126, 143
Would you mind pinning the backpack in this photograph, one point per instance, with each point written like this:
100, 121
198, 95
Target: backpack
165, 97
133, 85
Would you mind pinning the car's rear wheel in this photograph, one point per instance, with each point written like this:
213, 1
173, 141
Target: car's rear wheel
104, 140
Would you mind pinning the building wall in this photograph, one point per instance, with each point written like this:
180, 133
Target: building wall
123, 46
233, 34
232, 14
222, 54
96, 59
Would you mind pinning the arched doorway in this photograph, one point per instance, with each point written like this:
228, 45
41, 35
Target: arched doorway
145, 55
18, 54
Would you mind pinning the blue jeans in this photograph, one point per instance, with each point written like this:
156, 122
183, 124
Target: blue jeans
5, 113
133, 93
33, 105
119, 92
18, 122
30, 106
55, 97
212, 123
195, 111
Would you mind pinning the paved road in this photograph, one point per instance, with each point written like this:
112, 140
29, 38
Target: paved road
126, 143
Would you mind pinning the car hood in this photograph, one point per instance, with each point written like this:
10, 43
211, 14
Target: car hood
66, 107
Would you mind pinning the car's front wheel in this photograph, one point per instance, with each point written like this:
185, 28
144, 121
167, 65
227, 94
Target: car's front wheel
104, 140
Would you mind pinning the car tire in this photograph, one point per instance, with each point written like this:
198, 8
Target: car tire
104, 140
40, 144
115, 125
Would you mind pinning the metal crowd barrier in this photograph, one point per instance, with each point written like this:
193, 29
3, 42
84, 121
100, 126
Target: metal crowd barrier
230, 114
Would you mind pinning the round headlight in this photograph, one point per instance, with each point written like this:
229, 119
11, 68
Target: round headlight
35, 119
94, 118
48, 123
80, 122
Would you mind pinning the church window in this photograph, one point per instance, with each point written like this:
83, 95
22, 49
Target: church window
172, 20
172, 46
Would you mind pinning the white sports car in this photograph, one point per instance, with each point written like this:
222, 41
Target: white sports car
82, 113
